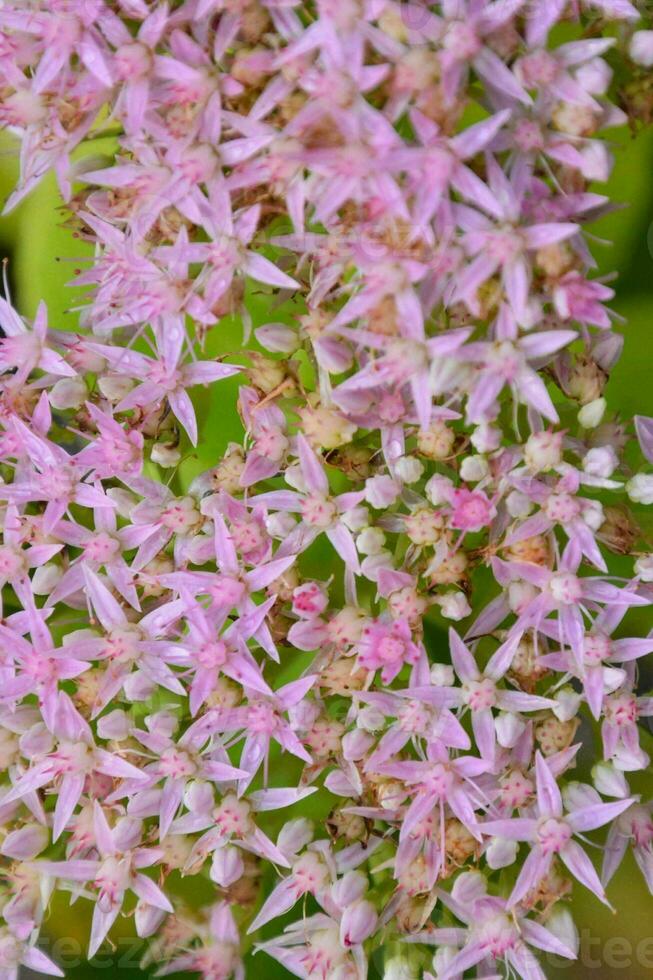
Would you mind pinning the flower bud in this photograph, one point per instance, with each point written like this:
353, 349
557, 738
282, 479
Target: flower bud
609, 781
277, 338
45, 578
454, 606
68, 393
227, 866
501, 853
518, 504
437, 441
640, 488
356, 744
442, 675
576, 796
165, 454
116, 725
591, 415
644, 568
381, 491
486, 438
279, 525
114, 387
509, 726
560, 922
600, 461
568, 703
409, 469
474, 468
439, 490
641, 48
358, 923
349, 889
294, 835
543, 451
370, 541
370, 719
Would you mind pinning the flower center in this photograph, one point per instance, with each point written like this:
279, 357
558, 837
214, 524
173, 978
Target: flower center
552, 835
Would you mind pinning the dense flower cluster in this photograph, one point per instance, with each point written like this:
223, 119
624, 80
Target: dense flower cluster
427, 442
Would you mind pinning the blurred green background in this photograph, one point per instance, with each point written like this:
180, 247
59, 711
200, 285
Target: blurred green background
43, 254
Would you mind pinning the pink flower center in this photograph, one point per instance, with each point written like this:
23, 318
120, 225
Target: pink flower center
318, 511
212, 655
566, 588
481, 694
562, 507
439, 780
176, 763
227, 592
622, 710
101, 548
553, 835
597, 648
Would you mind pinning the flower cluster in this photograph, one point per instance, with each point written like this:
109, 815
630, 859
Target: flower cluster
251, 677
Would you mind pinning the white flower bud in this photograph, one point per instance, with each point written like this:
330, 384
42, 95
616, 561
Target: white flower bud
561, 923
165, 454
640, 488
279, 525
295, 478
114, 387
474, 468
568, 703
45, 578
227, 866
370, 719
518, 504
609, 781
370, 541
520, 594
68, 393
543, 451
454, 605
439, 490
592, 414
442, 675
277, 337
577, 796
356, 519
593, 514
295, 835
486, 438
594, 76
409, 469
381, 491
509, 726
116, 725
644, 568
641, 48
600, 461
501, 853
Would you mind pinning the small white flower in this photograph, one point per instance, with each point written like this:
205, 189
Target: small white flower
592, 414
474, 468
409, 469
640, 488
